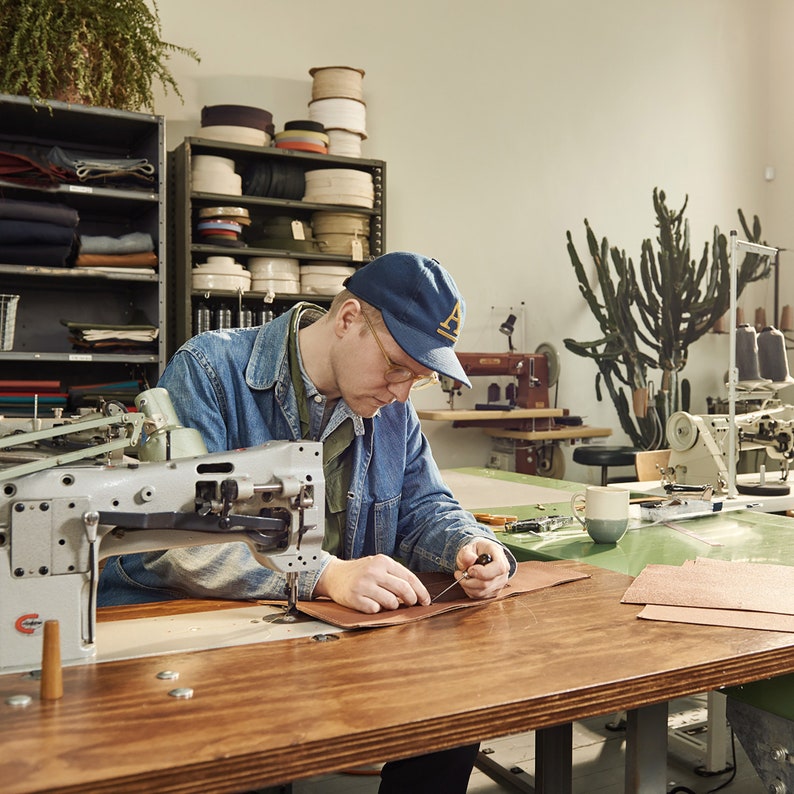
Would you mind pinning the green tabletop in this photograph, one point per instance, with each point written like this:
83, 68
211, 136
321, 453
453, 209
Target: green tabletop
742, 535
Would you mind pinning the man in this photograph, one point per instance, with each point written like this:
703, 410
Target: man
343, 378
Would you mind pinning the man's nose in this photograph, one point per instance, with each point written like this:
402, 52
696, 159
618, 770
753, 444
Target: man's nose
401, 391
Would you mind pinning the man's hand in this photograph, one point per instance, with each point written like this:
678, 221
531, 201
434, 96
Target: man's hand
483, 581
371, 584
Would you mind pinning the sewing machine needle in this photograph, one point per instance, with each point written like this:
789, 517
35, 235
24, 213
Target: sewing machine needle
483, 559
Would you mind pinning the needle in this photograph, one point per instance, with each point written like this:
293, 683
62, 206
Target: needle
483, 559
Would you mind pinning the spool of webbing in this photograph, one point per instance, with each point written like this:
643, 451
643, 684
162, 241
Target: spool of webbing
342, 143
344, 186
340, 223
340, 114
336, 81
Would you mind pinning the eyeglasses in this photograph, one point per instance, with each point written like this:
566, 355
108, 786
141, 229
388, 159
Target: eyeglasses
395, 373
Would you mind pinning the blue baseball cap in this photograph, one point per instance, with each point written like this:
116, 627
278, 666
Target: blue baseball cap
421, 307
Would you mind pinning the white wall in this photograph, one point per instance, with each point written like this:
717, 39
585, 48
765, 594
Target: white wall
504, 124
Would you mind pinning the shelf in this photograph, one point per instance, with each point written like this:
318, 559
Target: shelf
60, 273
187, 249
138, 358
50, 294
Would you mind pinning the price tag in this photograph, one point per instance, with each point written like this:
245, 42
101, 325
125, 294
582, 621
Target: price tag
80, 189
80, 357
297, 231
358, 251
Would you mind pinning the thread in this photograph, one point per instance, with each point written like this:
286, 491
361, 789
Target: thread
747, 353
772, 355
786, 319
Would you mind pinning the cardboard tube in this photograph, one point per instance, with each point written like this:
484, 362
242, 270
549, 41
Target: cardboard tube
786, 320
51, 672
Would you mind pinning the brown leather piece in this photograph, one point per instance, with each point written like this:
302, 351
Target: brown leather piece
529, 576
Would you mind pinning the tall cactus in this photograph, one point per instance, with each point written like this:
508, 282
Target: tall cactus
649, 319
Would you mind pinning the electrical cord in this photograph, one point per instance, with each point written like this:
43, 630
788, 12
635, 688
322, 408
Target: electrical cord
700, 770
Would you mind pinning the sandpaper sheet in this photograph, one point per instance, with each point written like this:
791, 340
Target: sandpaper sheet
529, 576
717, 584
734, 618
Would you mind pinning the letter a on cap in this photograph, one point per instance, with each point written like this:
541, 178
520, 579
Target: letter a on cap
444, 326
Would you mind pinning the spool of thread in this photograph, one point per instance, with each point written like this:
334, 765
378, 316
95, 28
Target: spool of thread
772, 355
786, 319
202, 320
739, 316
747, 353
760, 319
223, 317
51, 673
720, 326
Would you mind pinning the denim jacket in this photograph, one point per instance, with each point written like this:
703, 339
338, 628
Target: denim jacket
234, 386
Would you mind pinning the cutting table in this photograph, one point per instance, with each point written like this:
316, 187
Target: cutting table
271, 712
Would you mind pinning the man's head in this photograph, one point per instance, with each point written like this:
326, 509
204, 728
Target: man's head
420, 305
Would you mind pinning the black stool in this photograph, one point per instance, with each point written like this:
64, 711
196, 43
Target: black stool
599, 455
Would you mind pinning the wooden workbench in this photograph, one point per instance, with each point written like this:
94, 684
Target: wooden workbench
272, 712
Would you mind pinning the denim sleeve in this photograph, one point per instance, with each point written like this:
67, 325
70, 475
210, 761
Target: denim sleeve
433, 527
197, 397
227, 570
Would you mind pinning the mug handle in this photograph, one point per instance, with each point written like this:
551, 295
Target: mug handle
574, 499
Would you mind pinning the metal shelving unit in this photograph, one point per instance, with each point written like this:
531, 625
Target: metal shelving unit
185, 250
48, 295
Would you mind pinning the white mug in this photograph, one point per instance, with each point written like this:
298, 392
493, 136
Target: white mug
606, 512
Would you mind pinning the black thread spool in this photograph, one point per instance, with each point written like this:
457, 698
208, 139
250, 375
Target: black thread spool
747, 353
772, 355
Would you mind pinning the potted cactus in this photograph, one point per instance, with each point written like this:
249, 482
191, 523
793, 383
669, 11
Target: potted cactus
649, 316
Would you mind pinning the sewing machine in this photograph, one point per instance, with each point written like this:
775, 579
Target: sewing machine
63, 512
530, 371
699, 444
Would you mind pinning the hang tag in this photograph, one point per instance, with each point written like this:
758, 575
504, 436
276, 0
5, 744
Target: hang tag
358, 252
297, 231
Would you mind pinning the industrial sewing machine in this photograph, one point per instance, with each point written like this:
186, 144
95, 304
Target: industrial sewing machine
72, 495
699, 444
529, 371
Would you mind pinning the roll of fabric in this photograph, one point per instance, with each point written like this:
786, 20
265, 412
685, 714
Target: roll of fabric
342, 143
344, 186
336, 81
237, 116
340, 114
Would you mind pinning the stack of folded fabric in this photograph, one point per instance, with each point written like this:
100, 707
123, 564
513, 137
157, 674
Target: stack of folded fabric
29, 397
129, 253
237, 124
88, 167
37, 233
112, 338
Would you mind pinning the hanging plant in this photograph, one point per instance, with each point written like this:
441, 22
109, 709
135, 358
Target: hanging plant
107, 53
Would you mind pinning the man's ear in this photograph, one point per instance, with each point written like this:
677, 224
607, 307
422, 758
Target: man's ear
347, 317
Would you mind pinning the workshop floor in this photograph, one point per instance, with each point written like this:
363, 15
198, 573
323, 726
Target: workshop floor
598, 765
